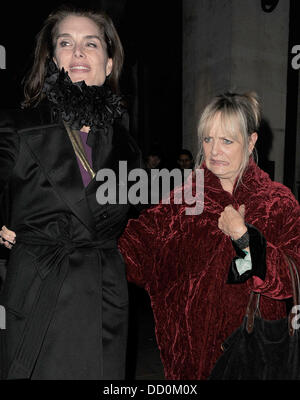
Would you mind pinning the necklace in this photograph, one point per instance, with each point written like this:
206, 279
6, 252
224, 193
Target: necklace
79, 149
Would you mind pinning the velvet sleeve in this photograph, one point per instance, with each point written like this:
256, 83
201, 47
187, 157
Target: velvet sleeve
142, 242
9, 148
282, 238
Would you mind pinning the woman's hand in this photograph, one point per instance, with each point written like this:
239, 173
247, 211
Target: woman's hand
7, 237
231, 222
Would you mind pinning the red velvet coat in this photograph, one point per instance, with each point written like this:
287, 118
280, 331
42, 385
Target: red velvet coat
184, 261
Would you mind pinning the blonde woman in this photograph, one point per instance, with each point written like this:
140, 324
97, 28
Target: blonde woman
199, 269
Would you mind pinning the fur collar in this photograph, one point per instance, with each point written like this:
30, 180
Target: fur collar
78, 104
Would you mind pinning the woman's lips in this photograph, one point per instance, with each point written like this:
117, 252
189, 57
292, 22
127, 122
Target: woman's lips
79, 68
218, 162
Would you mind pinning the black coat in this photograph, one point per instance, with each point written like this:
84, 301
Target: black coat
65, 291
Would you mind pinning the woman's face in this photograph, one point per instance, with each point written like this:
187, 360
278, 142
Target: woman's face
79, 49
223, 153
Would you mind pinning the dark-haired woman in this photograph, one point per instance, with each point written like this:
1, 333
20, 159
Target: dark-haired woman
65, 293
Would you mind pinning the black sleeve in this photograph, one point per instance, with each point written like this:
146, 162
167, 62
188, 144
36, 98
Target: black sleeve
9, 149
257, 245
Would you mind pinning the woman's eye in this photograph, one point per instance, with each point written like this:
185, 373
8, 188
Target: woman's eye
206, 139
227, 141
64, 43
91, 44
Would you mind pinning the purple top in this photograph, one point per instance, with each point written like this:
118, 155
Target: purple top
86, 177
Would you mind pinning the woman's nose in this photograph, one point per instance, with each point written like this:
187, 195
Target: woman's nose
215, 149
78, 51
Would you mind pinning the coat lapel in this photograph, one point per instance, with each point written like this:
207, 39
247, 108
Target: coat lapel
110, 146
53, 151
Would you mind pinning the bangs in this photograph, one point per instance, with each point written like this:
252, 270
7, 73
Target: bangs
227, 121
231, 124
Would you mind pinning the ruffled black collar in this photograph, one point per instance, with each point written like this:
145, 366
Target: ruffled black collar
78, 104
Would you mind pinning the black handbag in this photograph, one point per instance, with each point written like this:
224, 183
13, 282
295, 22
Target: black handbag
261, 349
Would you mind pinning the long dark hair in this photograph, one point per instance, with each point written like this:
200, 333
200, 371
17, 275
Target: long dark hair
44, 49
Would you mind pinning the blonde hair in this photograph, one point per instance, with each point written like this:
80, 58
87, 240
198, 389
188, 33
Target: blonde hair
240, 116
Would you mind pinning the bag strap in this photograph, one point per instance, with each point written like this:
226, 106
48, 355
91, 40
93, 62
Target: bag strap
254, 300
296, 294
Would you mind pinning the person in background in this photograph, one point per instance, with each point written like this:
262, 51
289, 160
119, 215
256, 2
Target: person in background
185, 159
154, 160
65, 291
199, 269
